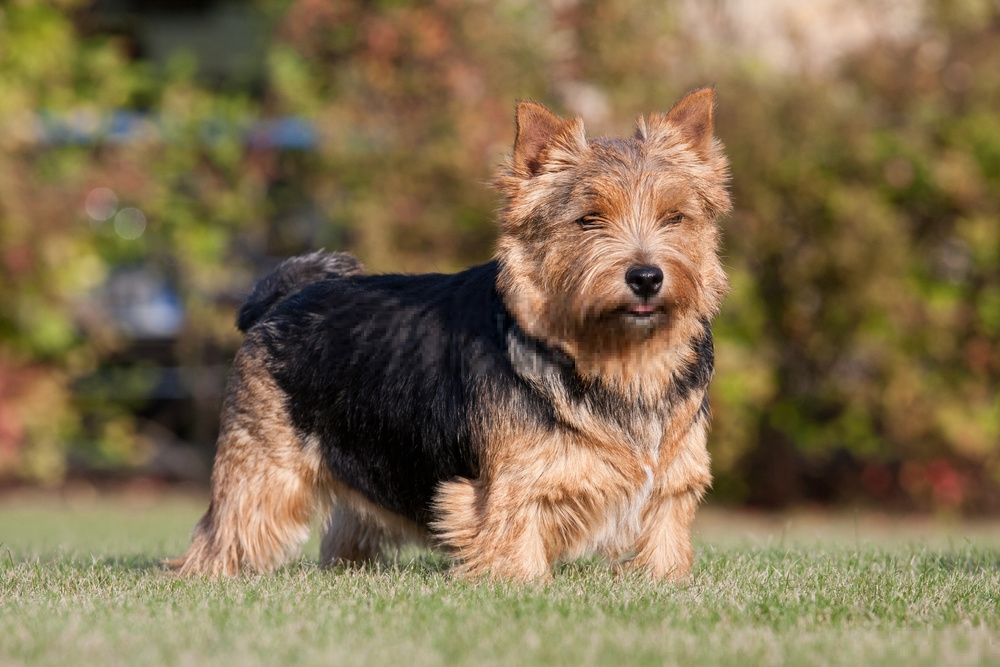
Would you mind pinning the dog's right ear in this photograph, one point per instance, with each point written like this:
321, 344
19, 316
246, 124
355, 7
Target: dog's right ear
545, 141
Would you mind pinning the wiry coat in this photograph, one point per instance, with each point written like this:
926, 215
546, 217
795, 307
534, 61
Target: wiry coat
538, 407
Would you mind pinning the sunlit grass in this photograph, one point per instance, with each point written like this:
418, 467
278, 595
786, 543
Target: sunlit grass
80, 583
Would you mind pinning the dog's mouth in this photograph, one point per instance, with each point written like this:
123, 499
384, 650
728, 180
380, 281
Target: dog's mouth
641, 310
641, 313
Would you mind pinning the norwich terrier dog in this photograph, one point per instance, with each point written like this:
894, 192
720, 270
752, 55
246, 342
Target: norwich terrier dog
549, 404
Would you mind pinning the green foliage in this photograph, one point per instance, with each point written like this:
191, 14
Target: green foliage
864, 248
194, 195
866, 219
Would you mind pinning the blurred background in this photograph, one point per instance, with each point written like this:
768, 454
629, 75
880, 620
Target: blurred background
157, 155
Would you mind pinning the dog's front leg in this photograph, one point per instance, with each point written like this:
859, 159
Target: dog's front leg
494, 527
664, 547
550, 497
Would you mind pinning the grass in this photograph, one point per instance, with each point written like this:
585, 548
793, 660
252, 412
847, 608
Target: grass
80, 583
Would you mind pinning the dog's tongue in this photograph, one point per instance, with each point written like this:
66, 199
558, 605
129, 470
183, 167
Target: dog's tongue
641, 309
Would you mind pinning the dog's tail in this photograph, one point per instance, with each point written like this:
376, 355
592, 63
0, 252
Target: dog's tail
289, 277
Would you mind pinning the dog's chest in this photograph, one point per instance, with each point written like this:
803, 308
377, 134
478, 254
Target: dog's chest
618, 521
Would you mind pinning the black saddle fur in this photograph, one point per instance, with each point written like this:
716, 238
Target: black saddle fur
397, 376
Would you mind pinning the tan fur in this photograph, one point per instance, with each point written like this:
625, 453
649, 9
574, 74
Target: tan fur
263, 481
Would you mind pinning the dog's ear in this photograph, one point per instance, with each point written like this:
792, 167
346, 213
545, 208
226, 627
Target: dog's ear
545, 141
691, 120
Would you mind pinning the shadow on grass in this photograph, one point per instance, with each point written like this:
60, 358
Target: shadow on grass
425, 563
416, 561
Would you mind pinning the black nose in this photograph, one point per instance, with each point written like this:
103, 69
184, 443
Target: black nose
645, 281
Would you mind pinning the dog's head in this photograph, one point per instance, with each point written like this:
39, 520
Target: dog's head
608, 244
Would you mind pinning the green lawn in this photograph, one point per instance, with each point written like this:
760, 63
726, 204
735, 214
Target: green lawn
80, 583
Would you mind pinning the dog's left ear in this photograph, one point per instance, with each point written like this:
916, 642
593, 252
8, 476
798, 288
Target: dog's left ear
691, 120
544, 140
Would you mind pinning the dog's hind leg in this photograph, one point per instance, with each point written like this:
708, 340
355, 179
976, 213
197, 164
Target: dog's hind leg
265, 482
350, 539
357, 531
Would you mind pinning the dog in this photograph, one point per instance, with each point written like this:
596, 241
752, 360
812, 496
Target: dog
547, 405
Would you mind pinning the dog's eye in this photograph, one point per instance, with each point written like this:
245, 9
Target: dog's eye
590, 221
673, 219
